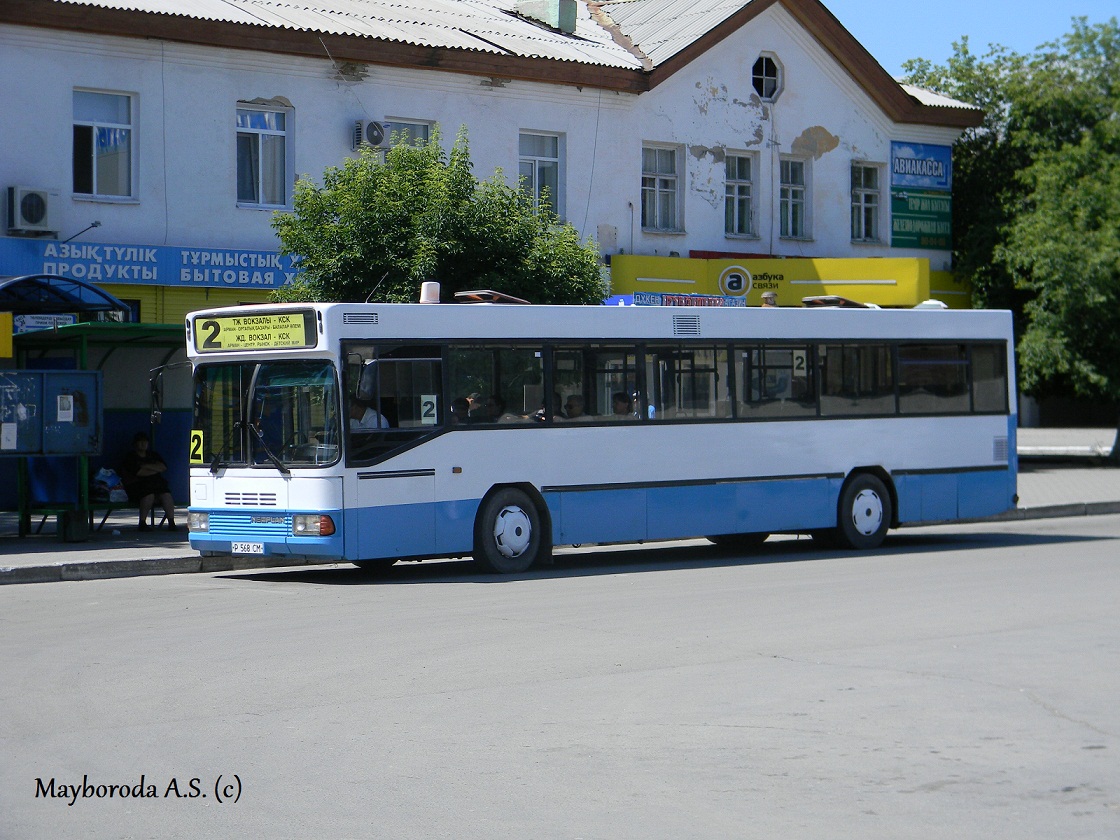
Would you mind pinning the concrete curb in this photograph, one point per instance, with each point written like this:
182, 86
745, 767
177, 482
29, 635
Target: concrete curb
94, 570
1056, 511
51, 572
193, 564
1068, 459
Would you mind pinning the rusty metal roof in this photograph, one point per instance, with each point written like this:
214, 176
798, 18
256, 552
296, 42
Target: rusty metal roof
621, 43
660, 29
490, 26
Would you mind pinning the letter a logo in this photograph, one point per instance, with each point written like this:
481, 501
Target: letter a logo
735, 281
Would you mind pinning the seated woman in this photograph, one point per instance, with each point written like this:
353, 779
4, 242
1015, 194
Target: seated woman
142, 476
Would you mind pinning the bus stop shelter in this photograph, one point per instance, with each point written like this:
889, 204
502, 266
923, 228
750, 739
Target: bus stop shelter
131, 358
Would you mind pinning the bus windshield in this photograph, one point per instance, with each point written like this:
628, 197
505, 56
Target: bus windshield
271, 414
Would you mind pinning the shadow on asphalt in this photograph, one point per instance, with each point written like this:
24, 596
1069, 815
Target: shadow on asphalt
636, 559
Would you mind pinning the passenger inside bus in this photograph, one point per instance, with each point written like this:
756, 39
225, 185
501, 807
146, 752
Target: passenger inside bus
573, 408
364, 417
460, 411
621, 405
496, 411
477, 411
541, 414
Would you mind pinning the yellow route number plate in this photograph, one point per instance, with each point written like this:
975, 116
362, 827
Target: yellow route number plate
270, 331
196, 448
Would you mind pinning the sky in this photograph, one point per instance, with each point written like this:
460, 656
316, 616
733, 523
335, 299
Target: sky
896, 30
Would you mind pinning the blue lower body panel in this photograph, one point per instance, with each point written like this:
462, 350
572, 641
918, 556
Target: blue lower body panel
691, 510
605, 514
942, 497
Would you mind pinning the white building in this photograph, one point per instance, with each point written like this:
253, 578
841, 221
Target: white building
663, 127
146, 144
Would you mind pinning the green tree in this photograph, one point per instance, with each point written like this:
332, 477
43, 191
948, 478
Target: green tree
377, 229
984, 162
1036, 201
1064, 248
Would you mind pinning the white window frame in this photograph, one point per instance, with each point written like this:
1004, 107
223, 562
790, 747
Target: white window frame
738, 190
418, 131
530, 166
104, 129
793, 196
662, 188
867, 202
260, 133
768, 86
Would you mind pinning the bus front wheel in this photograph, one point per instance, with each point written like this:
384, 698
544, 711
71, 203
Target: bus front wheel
864, 513
507, 533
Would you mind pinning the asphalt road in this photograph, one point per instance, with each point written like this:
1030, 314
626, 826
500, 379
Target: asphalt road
962, 682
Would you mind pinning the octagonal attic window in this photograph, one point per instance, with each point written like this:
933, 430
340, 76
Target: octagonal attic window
766, 77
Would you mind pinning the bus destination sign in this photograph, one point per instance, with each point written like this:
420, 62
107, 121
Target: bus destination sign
272, 331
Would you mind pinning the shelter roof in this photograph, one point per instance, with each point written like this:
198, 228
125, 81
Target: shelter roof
104, 334
37, 294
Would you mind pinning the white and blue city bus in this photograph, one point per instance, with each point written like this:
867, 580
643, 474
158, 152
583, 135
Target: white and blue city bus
501, 431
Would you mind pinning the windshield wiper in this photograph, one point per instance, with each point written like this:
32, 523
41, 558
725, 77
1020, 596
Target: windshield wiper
216, 464
276, 462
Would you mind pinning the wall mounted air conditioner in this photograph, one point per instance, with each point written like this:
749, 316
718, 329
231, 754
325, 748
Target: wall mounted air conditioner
32, 210
370, 133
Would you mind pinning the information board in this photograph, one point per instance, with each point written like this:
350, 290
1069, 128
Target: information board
50, 412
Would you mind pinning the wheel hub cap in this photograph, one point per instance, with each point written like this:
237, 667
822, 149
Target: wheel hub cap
867, 512
512, 531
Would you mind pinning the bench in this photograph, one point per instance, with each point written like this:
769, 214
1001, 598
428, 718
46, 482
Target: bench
106, 508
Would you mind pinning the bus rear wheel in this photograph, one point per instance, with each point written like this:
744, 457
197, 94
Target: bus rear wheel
864, 513
507, 532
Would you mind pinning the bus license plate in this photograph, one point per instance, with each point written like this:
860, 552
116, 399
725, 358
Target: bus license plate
247, 548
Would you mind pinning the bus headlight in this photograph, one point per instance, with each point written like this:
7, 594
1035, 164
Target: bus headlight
312, 525
197, 521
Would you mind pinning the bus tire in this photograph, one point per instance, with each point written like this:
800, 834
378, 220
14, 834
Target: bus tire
507, 532
739, 542
864, 513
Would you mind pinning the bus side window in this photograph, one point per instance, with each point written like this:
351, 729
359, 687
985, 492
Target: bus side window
989, 377
856, 379
776, 381
502, 383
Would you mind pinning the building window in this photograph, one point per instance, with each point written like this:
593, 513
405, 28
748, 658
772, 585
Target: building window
102, 144
399, 133
766, 77
738, 203
539, 169
793, 192
660, 189
262, 149
865, 203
